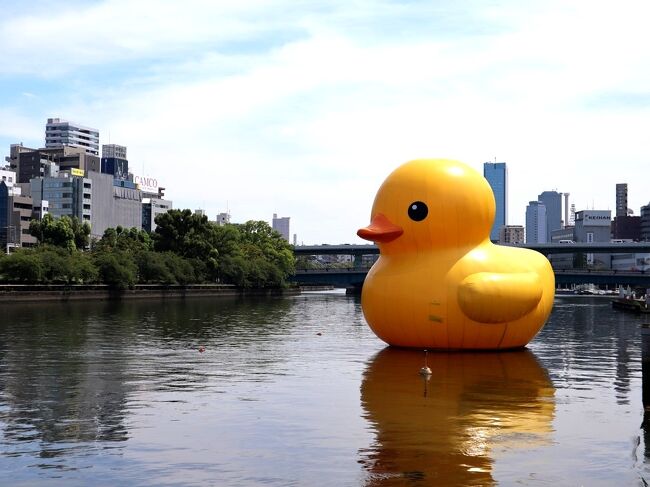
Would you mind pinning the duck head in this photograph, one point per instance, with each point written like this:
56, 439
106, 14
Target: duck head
431, 203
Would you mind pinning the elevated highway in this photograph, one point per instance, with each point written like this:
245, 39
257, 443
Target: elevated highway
355, 275
546, 249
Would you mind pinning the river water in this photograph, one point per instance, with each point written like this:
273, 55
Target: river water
298, 391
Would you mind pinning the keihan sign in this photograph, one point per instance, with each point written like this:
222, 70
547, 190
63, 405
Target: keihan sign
146, 183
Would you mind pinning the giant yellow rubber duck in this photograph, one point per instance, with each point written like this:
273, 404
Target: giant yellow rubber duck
439, 282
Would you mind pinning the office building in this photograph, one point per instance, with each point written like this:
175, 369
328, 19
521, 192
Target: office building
593, 226
114, 202
281, 225
34, 163
511, 234
151, 208
223, 219
114, 161
626, 227
553, 202
15, 215
59, 133
536, 222
8, 176
14, 153
68, 194
645, 223
497, 176
621, 199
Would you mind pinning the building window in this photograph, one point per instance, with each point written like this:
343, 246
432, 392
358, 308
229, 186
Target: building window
590, 237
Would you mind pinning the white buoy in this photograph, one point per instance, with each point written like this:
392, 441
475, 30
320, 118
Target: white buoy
425, 371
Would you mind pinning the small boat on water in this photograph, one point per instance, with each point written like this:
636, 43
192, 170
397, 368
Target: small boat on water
631, 304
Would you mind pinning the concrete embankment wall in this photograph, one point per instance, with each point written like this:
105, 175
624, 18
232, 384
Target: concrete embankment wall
12, 293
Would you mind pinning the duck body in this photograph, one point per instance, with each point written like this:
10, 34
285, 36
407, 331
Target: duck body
439, 282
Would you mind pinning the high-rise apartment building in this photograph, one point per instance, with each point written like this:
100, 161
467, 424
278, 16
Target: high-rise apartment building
59, 133
535, 222
621, 199
553, 202
497, 176
281, 225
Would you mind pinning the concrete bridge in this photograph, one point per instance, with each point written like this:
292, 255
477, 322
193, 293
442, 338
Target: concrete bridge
354, 276
546, 249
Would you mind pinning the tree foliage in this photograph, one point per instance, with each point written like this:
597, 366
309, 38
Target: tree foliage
185, 248
65, 232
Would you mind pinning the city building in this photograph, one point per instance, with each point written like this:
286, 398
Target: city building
553, 202
59, 133
15, 215
114, 161
511, 234
114, 202
8, 176
536, 222
626, 227
281, 225
621, 199
497, 176
223, 219
68, 194
594, 226
645, 223
14, 153
151, 208
34, 163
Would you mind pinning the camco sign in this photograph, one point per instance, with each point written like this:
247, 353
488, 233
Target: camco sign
146, 183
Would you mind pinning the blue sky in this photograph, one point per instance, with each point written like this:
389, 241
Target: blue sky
303, 108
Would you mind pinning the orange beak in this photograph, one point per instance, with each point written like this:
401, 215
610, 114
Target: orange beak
380, 230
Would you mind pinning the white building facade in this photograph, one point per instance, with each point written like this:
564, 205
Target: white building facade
60, 133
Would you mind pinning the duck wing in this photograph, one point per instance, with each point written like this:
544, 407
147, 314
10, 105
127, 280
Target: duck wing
491, 297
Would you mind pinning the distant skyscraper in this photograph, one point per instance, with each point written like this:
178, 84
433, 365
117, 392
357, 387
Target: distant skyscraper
535, 222
281, 225
497, 175
553, 202
60, 133
621, 199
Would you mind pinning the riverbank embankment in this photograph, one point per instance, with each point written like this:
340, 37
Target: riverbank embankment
12, 293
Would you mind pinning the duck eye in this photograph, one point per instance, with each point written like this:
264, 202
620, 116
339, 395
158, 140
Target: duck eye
418, 211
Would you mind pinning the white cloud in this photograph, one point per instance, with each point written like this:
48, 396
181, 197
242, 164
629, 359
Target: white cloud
307, 124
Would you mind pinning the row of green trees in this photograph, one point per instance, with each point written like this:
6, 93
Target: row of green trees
185, 248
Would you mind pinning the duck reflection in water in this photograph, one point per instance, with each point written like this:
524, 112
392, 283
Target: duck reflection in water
442, 429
